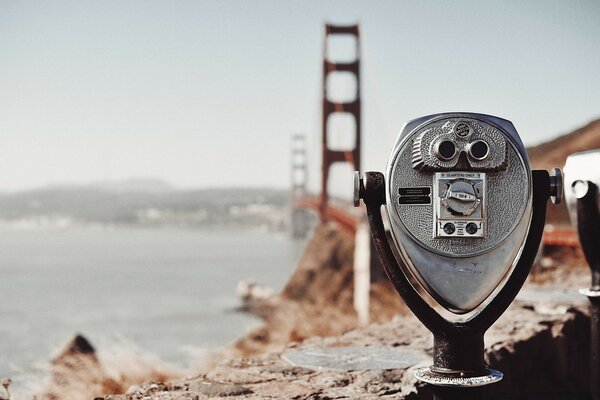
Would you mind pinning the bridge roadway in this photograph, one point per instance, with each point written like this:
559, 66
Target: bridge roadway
347, 221
343, 218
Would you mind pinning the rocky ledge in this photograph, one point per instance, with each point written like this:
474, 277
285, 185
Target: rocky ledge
542, 349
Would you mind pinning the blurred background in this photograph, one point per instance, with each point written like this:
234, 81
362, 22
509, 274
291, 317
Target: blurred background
145, 146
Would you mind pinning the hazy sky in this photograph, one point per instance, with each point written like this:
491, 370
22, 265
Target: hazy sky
208, 93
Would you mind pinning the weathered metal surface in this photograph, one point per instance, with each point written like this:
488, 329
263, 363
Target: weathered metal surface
428, 376
354, 358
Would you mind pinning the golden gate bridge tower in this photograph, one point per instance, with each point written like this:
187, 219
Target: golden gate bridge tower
352, 107
300, 219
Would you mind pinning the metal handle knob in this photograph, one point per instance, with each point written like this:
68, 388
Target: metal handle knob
358, 190
556, 186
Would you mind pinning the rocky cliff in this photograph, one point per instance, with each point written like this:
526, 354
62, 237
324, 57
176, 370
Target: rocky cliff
318, 298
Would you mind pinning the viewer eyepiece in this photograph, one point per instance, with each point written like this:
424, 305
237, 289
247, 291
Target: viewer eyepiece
478, 149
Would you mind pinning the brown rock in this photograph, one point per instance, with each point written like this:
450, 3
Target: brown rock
318, 298
77, 373
541, 356
216, 389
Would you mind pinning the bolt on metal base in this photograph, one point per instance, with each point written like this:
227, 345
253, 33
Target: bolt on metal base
455, 380
590, 292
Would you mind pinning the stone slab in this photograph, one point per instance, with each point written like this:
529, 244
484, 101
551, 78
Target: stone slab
354, 358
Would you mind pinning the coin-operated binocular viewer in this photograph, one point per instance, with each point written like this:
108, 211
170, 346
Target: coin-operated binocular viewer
466, 215
582, 179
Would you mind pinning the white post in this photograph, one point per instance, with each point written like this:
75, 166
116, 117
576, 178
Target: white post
362, 272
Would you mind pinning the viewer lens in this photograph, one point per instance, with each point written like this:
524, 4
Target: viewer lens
479, 150
446, 150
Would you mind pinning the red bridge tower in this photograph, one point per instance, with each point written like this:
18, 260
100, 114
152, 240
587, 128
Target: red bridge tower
352, 107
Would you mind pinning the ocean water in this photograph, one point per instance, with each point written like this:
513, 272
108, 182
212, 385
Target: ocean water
165, 290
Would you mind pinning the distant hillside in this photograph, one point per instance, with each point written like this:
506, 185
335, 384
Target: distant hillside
147, 185
554, 154
146, 203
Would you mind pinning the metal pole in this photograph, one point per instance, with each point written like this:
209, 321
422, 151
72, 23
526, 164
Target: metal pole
595, 347
588, 228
